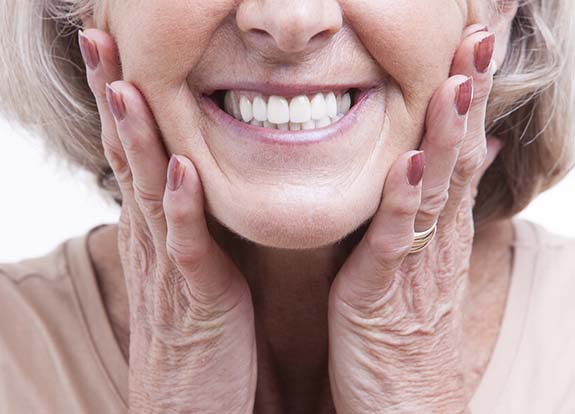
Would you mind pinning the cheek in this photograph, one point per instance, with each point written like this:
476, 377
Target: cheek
414, 41
159, 45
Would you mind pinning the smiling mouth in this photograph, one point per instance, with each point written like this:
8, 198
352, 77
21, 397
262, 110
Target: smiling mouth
288, 113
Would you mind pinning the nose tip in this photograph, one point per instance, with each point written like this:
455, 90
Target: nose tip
290, 26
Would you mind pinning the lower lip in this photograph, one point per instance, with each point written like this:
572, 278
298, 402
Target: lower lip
276, 136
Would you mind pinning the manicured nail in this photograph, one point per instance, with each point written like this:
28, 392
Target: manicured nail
175, 173
415, 168
463, 96
89, 51
483, 53
116, 103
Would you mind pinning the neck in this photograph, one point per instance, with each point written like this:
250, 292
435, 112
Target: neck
290, 291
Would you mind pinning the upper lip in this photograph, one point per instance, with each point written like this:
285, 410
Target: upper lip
266, 88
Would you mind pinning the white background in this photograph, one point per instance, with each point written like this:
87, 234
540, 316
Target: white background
42, 203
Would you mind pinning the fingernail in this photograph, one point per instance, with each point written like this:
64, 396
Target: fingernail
175, 173
89, 51
483, 53
463, 96
116, 103
415, 168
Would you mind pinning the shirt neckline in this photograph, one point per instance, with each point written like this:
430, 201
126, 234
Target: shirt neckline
95, 316
484, 398
508, 341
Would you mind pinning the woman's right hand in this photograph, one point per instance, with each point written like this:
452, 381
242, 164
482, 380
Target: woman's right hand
192, 336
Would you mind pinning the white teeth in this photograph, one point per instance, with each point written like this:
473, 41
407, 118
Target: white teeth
260, 109
299, 113
325, 121
344, 104
300, 109
318, 107
278, 110
308, 125
331, 104
246, 109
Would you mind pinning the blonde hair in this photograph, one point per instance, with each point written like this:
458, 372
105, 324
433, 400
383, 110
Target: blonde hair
532, 107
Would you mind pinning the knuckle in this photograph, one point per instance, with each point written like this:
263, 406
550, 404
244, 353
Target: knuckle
119, 165
470, 162
433, 204
187, 256
150, 204
404, 211
177, 213
388, 252
135, 141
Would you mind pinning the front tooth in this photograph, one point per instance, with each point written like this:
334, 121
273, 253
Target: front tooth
260, 109
246, 109
255, 122
308, 125
318, 107
278, 110
300, 109
283, 127
325, 121
268, 124
345, 104
331, 104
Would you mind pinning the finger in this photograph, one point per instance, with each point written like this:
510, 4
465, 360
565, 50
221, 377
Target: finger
189, 243
446, 123
145, 153
100, 54
368, 276
473, 58
474, 28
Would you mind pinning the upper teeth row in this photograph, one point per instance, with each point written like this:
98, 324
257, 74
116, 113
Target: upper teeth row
279, 110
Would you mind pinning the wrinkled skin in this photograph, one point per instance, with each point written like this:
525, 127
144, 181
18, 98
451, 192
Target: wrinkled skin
192, 339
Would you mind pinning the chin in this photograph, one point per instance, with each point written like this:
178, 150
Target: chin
298, 226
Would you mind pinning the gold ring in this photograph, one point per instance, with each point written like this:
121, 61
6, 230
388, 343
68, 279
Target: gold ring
422, 239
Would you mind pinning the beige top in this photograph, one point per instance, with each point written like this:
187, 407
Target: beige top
58, 353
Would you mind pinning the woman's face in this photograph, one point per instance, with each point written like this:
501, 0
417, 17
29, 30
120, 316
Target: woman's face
393, 53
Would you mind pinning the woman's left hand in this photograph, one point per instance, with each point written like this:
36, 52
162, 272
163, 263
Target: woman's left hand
395, 320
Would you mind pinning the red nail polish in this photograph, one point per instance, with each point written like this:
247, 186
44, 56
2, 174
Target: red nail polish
175, 173
415, 168
89, 51
463, 96
483, 53
116, 103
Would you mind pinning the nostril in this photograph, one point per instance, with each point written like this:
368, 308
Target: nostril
260, 32
321, 36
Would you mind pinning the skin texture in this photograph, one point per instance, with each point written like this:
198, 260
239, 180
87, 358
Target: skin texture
176, 262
